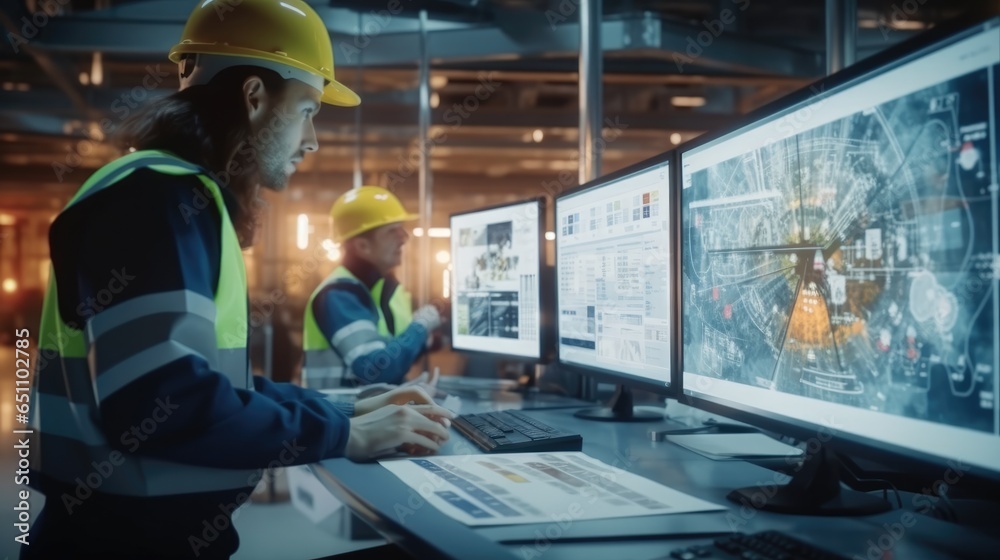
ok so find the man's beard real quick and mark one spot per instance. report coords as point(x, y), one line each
point(251, 214)
point(271, 173)
point(245, 187)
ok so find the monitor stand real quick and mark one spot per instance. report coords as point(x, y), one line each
point(814, 489)
point(619, 409)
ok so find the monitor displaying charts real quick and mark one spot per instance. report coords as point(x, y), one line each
point(496, 256)
point(613, 276)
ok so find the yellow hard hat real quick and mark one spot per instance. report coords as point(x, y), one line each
point(287, 36)
point(364, 209)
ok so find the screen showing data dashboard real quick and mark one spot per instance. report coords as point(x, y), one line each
point(613, 268)
point(840, 260)
point(496, 258)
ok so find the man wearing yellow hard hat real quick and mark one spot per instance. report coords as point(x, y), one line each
point(149, 429)
point(360, 327)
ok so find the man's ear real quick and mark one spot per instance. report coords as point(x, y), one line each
point(255, 99)
point(361, 245)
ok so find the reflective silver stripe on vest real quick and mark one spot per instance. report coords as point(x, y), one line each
point(362, 329)
point(365, 348)
point(115, 378)
point(148, 332)
point(326, 378)
point(362, 338)
point(128, 339)
point(323, 369)
point(178, 301)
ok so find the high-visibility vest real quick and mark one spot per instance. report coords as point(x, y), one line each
point(323, 367)
point(70, 380)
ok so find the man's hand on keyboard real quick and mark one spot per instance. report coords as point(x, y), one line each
point(404, 394)
point(389, 422)
point(426, 381)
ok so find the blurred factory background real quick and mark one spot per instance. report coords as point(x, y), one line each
point(502, 106)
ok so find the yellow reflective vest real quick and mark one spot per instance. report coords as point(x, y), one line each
point(324, 367)
point(69, 445)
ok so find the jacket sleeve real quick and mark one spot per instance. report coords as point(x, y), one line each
point(347, 317)
point(282, 392)
point(142, 258)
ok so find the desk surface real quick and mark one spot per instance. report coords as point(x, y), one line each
point(400, 514)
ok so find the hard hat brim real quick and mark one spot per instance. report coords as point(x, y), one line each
point(337, 94)
point(369, 227)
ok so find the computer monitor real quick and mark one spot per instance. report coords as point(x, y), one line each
point(613, 278)
point(840, 265)
point(497, 258)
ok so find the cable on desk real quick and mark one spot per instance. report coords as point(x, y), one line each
point(940, 489)
point(856, 482)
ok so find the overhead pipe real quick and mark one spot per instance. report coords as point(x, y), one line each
point(591, 110)
point(841, 34)
point(591, 69)
point(425, 193)
point(358, 136)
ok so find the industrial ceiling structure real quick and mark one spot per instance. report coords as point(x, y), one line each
point(503, 80)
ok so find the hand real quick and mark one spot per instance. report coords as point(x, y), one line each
point(404, 394)
point(428, 316)
point(426, 381)
point(443, 306)
point(414, 429)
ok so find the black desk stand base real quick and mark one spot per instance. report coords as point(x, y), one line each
point(619, 410)
point(814, 490)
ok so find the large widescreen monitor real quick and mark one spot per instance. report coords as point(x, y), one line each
point(840, 259)
point(613, 278)
point(497, 257)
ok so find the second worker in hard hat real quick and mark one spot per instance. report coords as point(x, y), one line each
point(360, 327)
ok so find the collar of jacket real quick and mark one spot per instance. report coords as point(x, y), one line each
point(362, 270)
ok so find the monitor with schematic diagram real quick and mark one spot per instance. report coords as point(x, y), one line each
point(840, 259)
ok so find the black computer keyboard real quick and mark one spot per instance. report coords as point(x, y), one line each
point(507, 431)
point(765, 545)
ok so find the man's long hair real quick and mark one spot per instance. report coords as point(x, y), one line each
point(207, 125)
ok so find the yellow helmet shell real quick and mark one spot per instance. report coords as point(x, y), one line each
point(285, 33)
point(364, 209)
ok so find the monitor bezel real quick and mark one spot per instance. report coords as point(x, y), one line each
point(544, 285)
point(603, 374)
point(919, 464)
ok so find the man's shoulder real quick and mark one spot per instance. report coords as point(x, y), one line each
point(346, 287)
point(149, 189)
point(342, 295)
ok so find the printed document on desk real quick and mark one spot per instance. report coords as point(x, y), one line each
point(513, 488)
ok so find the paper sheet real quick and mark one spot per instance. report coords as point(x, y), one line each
point(512, 488)
point(735, 446)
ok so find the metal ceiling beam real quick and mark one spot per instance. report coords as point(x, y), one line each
point(19, 109)
point(644, 34)
point(507, 76)
point(46, 62)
